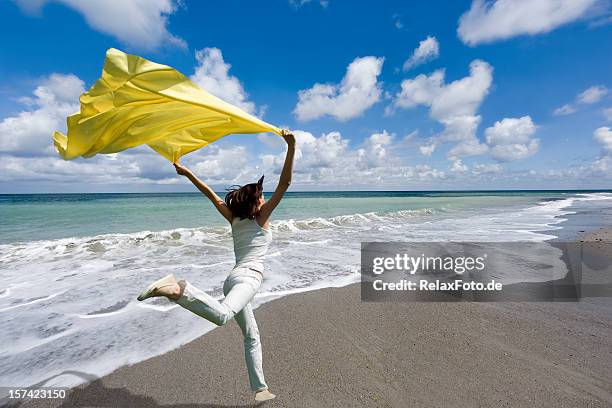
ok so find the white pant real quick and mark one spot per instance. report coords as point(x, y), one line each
point(239, 288)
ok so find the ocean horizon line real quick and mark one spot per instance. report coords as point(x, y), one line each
point(332, 191)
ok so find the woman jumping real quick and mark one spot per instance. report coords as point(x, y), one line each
point(249, 216)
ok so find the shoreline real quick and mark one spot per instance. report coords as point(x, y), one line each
point(328, 348)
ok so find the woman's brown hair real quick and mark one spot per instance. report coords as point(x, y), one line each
point(243, 201)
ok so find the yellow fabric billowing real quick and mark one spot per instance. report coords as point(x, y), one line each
point(137, 102)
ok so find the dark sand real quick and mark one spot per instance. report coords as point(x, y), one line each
point(329, 349)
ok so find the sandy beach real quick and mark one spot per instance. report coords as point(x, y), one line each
point(327, 348)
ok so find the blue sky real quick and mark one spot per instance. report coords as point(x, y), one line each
point(410, 96)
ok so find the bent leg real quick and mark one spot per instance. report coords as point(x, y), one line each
point(206, 306)
point(252, 347)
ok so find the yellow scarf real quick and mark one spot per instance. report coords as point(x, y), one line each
point(137, 102)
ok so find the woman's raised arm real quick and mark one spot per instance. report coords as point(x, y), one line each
point(283, 183)
point(206, 190)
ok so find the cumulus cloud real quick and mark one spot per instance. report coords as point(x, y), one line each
point(589, 96)
point(140, 24)
point(488, 21)
point(139, 165)
point(329, 160)
point(212, 74)
point(29, 133)
point(321, 152)
point(602, 165)
point(52, 169)
point(454, 105)
point(223, 165)
point(458, 167)
point(319, 159)
point(458, 98)
point(375, 150)
point(358, 91)
point(511, 139)
point(427, 149)
point(467, 148)
point(322, 159)
point(428, 50)
point(26, 143)
point(424, 171)
point(603, 135)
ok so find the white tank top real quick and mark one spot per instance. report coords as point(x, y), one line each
point(251, 243)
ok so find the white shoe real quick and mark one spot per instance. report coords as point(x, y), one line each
point(264, 395)
point(150, 290)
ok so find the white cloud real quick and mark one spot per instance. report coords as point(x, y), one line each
point(427, 149)
point(223, 165)
point(454, 105)
point(212, 74)
point(55, 170)
point(139, 165)
point(357, 92)
point(458, 167)
point(428, 50)
point(592, 94)
point(319, 152)
point(511, 139)
point(589, 96)
point(271, 140)
point(602, 165)
point(488, 21)
point(313, 156)
point(478, 169)
point(603, 135)
point(328, 160)
point(137, 23)
point(424, 171)
point(30, 132)
point(375, 150)
point(467, 148)
point(458, 98)
point(566, 109)
point(422, 90)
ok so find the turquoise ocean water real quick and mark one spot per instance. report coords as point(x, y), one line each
point(71, 265)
